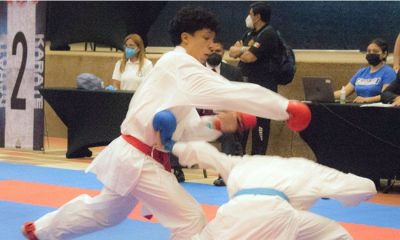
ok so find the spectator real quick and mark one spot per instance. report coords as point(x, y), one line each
point(396, 54)
point(369, 82)
point(133, 67)
point(392, 93)
point(216, 63)
point(230, 142)
point(256, 51)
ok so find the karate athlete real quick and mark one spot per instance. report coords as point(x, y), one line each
point(133, 168)
point(270, 195)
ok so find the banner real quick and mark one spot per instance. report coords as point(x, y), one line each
point(22, 47)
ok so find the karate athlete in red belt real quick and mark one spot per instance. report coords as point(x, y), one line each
point(132, 168)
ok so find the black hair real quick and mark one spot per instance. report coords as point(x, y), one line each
point(382, 44)
point(190, 19)
point(263, 9)
point(217, 40)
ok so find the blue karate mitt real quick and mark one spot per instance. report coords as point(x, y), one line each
point(165, 123)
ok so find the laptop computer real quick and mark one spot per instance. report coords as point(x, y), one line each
point(318, 89)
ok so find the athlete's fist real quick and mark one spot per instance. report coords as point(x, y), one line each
point(233, 121)
point(299, 115)
point(165, 123)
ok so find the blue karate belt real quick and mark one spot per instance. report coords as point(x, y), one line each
point(261, 191)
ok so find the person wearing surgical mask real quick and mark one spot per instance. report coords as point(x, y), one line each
point(369, 82)
point(256, 51)
point(230, 142)
point(216, 63)
point(132, 68)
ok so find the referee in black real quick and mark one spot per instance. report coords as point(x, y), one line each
point(255, 51)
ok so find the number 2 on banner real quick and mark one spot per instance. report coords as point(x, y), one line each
point(19, 103)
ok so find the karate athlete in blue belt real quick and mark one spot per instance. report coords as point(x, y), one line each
point(270, 195)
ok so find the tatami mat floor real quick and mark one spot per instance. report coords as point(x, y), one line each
point(54, 156)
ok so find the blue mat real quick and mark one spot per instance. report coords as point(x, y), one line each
point(13, 214)
point(72, 178)
point(365, 213)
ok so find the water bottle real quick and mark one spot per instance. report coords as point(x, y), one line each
point(342, 95)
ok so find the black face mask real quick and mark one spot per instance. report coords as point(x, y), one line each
point(373, 59)
point(214, 59)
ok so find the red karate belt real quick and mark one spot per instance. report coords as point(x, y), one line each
point(161, 157)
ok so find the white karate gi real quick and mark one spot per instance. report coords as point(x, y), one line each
point(270, 216)
point(180, 83)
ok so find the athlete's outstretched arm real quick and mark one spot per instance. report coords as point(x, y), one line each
point(206, 155)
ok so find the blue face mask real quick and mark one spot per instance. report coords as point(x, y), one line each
point(130, 52)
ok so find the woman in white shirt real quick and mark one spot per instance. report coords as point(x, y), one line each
point(132, 68)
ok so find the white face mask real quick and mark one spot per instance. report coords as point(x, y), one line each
point(249, 22)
